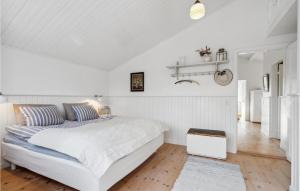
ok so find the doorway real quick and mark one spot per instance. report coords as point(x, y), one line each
point(259, 88)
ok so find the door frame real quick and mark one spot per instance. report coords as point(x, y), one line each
point(244, 112)
point(294, 164)
point(235, 68)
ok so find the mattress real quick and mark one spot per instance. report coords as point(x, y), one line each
point(18, 135)
point(81, 179)
point(12, 139)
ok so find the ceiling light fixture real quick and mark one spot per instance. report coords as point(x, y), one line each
point(197, 10)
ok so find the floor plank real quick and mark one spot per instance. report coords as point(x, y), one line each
point(252, 140)
point(160, 171)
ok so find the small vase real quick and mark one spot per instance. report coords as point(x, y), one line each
point(207, 58)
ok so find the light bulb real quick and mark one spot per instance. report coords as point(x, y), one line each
point(197, 10)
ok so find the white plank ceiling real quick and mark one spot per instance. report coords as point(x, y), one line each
point(98, 33)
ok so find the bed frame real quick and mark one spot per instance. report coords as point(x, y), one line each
point(73, 173)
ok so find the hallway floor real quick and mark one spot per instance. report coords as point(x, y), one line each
point(252, 140)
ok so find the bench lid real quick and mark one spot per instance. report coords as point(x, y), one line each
point(207, 132)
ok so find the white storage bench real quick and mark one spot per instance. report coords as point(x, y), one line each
point(207, 143)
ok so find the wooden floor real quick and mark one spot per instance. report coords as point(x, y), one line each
point(252, 140)
point(160, 171)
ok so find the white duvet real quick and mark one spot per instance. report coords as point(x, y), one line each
point(98, 145)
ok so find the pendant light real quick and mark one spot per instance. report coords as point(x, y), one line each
point(197, 11)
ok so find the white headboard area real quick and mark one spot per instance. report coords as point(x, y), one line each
point(7, 116)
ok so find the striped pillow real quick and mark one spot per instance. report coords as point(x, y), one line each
point(84, 112)
point(41, 116)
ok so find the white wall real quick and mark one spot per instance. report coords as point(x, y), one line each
point(295, 183)
point(181, 113)
point(289, 122)
point(272, 57)
point(0, 46)
point(270, 123)
point(290, 89)
point(25, 73)
point(252, 72)
point(233, 27)
point(33, 74)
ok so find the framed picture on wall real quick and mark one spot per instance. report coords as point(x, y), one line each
point(137, 82)
point(266, 82)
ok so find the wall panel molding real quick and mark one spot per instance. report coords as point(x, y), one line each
point(178, 112)
point(42, 99)
point(294, 114)
point(183, 112)
point(284, 127)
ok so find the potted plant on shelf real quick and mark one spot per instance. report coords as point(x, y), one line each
point(205, 54)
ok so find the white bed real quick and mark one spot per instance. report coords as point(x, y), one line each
point(73, 173)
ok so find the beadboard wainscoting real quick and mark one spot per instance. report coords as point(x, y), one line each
point(4, 108)
point(289, 134)
point(288, 123)
point(285, 130)
point(181, 113)
point(55, 100)
point(293, 124)
point(269, 122)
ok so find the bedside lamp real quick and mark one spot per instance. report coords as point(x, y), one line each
point(100, 100)
point(104, 110)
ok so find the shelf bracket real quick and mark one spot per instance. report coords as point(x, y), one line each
point(177, 70)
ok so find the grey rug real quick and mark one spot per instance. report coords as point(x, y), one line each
point(200, 174)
